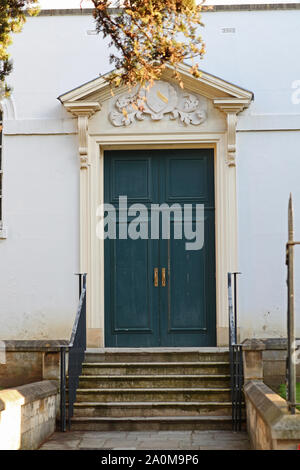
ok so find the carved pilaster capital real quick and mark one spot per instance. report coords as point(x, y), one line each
point(231, 107)
point(83, 140)
point(231, 138)
point(83, 110)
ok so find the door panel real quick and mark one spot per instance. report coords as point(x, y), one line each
point(131, 177)
point(131, 308)
point(185, 179)
point(181, 313)
point(187, 314)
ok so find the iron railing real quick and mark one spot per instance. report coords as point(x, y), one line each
point(236, 356)
point(291, 361)
point(76, 351)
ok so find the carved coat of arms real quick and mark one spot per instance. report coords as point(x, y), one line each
point(159, 101)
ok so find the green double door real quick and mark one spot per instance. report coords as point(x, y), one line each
point(158, 292)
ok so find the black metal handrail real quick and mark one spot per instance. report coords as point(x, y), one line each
point(236, 357)
point(76, 351)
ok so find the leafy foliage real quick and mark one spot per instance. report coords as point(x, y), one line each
point(282, 392)
point(12, 19)
point(149, 34)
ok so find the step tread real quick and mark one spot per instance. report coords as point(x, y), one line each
point(154, 364)
point(202, 350)
point(151, 403)
point(153, 418)
point(141, 377)
point(208, 389)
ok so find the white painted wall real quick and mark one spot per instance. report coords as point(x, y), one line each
point(38, 290)
point(268, 169)
point(52, 55)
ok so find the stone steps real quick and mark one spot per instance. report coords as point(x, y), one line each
point(152, 381)
point(152, 394)
point(158, 368)
point(170, 423)
point(153, 389)
point(150, 355)
point(155, 409)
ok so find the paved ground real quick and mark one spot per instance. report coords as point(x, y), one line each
point(156, 440)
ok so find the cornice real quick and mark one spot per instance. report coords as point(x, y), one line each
point(208, 85)
point(82, 108)
point(205, 9)
point(230, 105)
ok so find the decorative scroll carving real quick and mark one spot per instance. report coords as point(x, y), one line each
point(231, 138)
point(83, 110)
point(231, 107)
point(159, 101)
point(83, 140)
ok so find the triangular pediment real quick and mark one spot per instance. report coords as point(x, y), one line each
point(209, 86)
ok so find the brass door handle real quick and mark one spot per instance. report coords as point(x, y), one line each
point(155, 277)
point(163, 277)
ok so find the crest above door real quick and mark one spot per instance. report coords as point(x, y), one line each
point(207, 104)
point(165, 99)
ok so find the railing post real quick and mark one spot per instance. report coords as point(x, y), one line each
point(235, 296)
point(291, 385)
point(232, 338)
point(63, 389)
point(235, 354)
point(80, 282)
point(231, 341)
point(76, 348)
point(84, 311)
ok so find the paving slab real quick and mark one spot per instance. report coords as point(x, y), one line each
point(155, 440)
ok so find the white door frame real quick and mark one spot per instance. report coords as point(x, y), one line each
point(96, 135)
point(92, 195)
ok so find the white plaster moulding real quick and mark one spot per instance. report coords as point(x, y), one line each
point(40, 127)
point(246, 123)
point(83, 110)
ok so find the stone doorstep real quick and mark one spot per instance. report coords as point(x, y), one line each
point(205, 350)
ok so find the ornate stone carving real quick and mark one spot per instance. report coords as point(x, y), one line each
point(159, 101)
point(231, 138)
point(231, 107)
point(83, 110)
point(83, 140)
